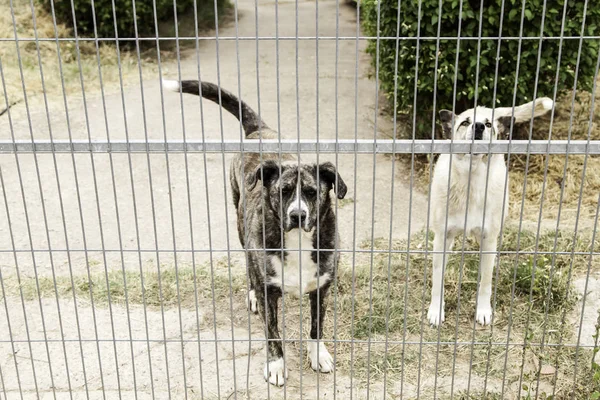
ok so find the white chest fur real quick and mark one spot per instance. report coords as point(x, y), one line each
point(484, 194)
point(298, 274)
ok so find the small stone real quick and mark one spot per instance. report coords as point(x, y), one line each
point(547, 370)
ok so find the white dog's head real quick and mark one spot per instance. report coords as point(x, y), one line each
point(483, 123)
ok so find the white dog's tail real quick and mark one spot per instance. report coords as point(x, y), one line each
point(523, 112)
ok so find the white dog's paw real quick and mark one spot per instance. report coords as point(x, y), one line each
point(484, 314)
point(251, 302)
point(435, 315)
point(276, 372)
point(320, 359)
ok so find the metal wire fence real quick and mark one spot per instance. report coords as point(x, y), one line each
point(122, 275)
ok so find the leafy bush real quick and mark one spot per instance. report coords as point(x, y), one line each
point(144, 12)
point(468, 59)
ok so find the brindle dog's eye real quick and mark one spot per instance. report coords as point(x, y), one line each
point(465, 123)
point(287, 190)
point(309, 192)
point(488, 125)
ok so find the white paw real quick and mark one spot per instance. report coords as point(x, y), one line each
point(484, 314)
point(435, 315)
point(275, 372)
point(251, 302)
point(320, 359)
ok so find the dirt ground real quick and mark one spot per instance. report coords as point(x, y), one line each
point(156, 352)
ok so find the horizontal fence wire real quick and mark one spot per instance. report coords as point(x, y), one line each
point(297, 339)
point(327, 146)
point(341, 250)
point(294, 38)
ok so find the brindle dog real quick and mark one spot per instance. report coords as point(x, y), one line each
point(282, 207)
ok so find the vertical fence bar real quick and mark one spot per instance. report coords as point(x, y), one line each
point(523, 199)
point(336, 257)
point(208, 219)
point(298, 155)
point(262, 203)
point(318, 292)
point(540, 215)
point(225, 196)
point(354, 203)
point(375, 112)
point(178, 58)
point(427, 225)
point(4, 298)
point(189, 198)
point(537, 236)
point(243, 193)
point(281, 227)
point(392, 186)
point(129, 158)
point(502, 222)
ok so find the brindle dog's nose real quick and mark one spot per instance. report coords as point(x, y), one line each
point(297, 218)
point(478, 129)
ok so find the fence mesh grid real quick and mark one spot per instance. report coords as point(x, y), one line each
point(121, 271)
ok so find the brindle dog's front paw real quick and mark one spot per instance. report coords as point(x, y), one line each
point(251, 302)
point(320, 359)
point(276, 372)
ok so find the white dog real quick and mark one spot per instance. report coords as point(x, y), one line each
point(473, 124)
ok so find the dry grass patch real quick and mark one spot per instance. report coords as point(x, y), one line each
point(378, 306)
point(138, 288)
point(574, 122)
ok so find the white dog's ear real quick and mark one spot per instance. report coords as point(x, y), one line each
point(447, 119)
point(506, 123)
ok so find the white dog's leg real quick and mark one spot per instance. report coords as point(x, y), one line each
point(484, 307)
point(435, 315)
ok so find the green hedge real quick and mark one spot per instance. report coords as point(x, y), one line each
point(467, 64)
point(144, 10)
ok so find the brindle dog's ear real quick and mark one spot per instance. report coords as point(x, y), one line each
point(328, 173)
point(268, 171)
point(505, 123)
point(447, 118)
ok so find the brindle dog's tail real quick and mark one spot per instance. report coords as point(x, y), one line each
point(250, 119)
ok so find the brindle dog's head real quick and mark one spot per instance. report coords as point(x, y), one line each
point(297, 193)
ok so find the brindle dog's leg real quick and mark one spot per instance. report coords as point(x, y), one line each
point(320, 359)
point(275, 370)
